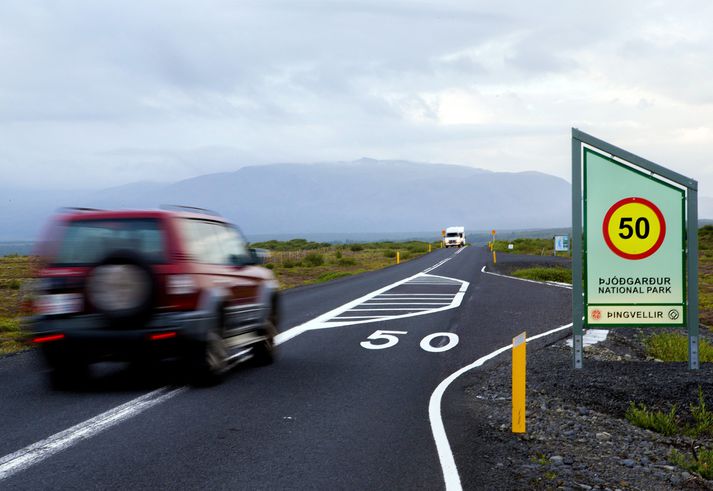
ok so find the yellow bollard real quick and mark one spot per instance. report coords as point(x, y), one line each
point(494, 258)
point(519, 363)
point(429, 247)
point(398, 257)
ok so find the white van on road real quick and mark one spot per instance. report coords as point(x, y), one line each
point(455, 237)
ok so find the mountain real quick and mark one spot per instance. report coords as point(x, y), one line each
point(345, 197)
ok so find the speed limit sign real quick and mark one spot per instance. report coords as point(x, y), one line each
point(634, 228)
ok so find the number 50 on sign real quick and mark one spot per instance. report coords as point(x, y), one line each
point(634, 228)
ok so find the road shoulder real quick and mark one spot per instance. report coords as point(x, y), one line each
point(577, 436)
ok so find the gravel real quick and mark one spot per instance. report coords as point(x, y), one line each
point(577, 436)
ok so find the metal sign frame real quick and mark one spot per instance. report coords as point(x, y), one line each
point(579, 139)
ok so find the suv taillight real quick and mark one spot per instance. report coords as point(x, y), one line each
point(180, 284)
point(181, 292)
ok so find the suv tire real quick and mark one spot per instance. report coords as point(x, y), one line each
point(264, 351)
point(208, 360)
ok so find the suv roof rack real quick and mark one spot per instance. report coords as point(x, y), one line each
point(205, 211)
point(69, 209)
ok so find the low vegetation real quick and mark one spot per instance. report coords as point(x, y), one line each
point(672, 346)
point(698, 429)
point(662, 422)
point(705, 274)
point(320, 262)
point(15, 271)
point(533, 247)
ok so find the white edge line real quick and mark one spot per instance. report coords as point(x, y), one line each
point(548, 283)
point(32, 454)
point(445, 455)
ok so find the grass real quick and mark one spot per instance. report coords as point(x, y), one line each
point(669, 424)
point(669, 346)
point(317, 265)
point(700, 462)
point(533, 247)
point(332, 275)
point(15, 271)
point(705, 274)
point(562, 275)
point(658, 421)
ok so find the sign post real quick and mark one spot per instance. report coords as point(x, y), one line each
point(634, 243)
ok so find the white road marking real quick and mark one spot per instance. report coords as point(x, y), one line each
point(445, 455)
point(334, 318)
point(591, 336)
point(452, 341)
point(387, 310)
point(548, 283)
point(33, 454)
point(418, 294)
point(37, 452)
point(372, 303)
point(428, 270)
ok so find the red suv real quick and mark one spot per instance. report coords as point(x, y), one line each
point(138, 285)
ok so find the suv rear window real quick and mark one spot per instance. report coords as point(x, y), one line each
point(89, 241)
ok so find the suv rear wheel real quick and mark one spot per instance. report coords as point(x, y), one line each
point(264, 351)
point(209, 358)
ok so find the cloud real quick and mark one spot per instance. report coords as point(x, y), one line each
point(102, 93)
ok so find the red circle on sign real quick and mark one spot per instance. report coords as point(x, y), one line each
point(614, 208)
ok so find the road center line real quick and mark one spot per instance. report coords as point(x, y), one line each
point(37, 452)
point(445, 454)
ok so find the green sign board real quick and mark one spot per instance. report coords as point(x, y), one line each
point(634, 246)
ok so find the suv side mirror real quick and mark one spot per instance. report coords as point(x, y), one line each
point(260, 256)
point(238, 260)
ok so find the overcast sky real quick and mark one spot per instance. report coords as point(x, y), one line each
point(95, 94)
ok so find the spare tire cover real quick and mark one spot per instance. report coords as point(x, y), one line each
point(122, 286)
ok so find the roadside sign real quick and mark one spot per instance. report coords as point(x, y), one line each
point(443, 232)
point(561, 243)
point(511, 246)
point(636, 263)
point(492, 232)
point(634, 246)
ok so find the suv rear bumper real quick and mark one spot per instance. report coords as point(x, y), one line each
point(91, 338)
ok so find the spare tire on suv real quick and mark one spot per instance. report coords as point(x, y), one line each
point(122, 288)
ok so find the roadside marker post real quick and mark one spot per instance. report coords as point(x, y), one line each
point(429, 247)
point(634, 244)
point(398, 257)
point(494, 258)
point(519, 370)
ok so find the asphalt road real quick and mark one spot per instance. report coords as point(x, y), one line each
point(329, 414)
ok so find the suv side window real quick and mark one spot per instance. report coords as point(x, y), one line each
point(212, 242)
point(203, 241)
point(233, 245)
